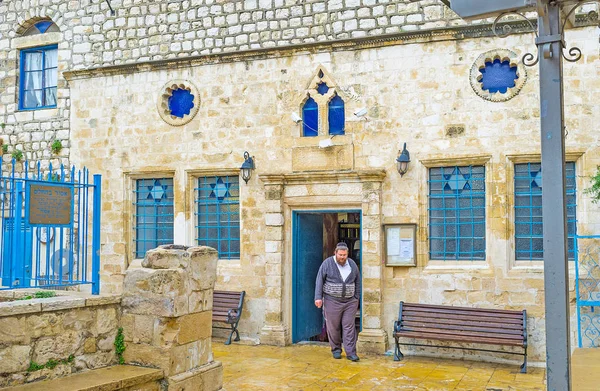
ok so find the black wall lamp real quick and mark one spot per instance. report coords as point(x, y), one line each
point(247, 167)
point(402, 161)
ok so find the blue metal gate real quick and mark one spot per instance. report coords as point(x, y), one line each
point(47, 236)
point(587, 288)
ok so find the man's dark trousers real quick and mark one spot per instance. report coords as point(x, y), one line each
point(339, 318)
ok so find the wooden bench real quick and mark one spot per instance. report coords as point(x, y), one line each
point(227, 308)
point(461, 324)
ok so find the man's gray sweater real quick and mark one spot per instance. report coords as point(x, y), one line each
point(331, 285)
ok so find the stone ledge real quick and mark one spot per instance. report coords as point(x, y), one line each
point(64, 301)
point(103, 379)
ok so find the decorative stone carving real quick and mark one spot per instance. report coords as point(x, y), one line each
point(165, 103)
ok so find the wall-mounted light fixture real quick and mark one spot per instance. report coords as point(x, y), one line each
point(402, 161)
point(361, 112)
point(295, 117)
point(247, 167)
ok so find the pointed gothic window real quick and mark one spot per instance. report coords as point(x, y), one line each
point(310, 118)
point(337, 118)
point(323, 112)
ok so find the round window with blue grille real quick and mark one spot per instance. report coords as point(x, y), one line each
point(179, 102)
point(498, 75)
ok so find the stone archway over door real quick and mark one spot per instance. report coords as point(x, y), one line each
point(322, 190)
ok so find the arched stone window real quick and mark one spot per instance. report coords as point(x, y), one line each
point(38, 70)
point(42, 27)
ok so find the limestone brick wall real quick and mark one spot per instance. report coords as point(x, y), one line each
point(40, 331)
point(413, 93)
point(90, 36)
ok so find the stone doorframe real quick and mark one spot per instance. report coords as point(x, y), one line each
point(338, 190)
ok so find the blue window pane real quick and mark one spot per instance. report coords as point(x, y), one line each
point(498, 76)
point(43, 26)
point(38, 78)
point(310, 118)
point(218, 214)
point(337, 117)
point(153, 220)
point(528, 185)
point(181, 102)
point(322, 88)
point(457, 213)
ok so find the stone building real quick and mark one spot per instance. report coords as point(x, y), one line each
point(164, 98)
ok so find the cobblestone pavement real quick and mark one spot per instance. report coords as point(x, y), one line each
point(310, 367)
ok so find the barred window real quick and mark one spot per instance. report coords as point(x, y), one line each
point(153, 219)
point(528, 211)
point(218, 214)
point(457, 213)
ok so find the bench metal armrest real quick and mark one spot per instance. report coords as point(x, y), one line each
point(397, 325)
point(232, 316)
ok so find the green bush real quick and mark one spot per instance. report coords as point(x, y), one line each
point(17, 155)
point(39, 295)
point(594, 190)
point(56, 146)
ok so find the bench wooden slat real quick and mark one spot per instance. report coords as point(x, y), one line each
point(484, 314)
point(493, 310)
point(466, 335)
point(462, 317)
point(512, 326)
point(448, 337)
point(423, 324)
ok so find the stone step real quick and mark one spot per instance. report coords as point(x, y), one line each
point(118, 377)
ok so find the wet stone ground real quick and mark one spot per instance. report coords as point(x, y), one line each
point(310, 367)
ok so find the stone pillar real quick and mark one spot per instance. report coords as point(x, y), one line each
point(372, 338)
point(167, 316)
point(274, 332)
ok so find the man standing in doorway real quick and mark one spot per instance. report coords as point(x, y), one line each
point(338, 291)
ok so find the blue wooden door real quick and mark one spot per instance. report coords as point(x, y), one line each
point(16, 263)
point(307, 320)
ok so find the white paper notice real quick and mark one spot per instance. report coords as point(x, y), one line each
point(406, 248)
point(393, 244)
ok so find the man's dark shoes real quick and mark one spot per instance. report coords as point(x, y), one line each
point(353, 358)
point(337, 354)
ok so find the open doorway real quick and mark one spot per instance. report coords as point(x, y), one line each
point(315, 235)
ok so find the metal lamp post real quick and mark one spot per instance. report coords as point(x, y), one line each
point(551, 44)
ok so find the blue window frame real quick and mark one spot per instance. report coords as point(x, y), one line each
point(337, 117)
point(457, 213)
point(310, 118)
point(528, 211)
point(153, 219)
point(38, 78)
point(218, 214)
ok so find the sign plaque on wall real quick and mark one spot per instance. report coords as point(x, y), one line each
point(49, 204)
point(400, 245)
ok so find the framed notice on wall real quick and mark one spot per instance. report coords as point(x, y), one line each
point(400, 245)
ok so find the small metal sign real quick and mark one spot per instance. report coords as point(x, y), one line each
point(49, 204)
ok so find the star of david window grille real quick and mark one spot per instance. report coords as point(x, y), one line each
point(218, 214)
point(457, 213)
point(528, 183)
point(153, 216)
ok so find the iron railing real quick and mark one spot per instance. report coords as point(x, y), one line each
point(587, 288)
point(48, 237)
